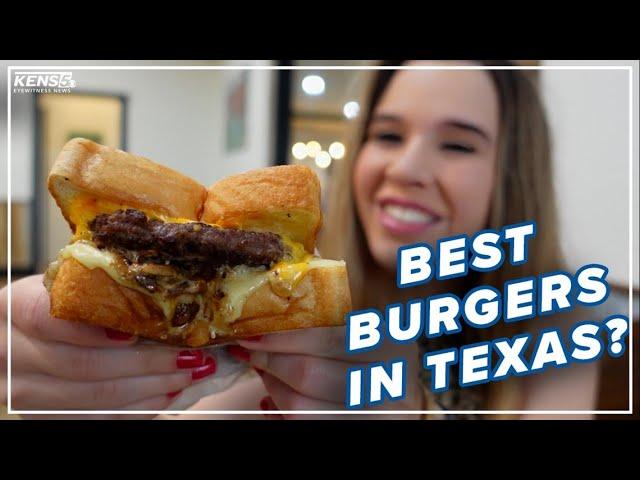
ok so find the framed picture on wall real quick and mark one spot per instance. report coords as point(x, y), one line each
point(48, 121)
point(17, 214)
point(22, 251)
point(236, 120)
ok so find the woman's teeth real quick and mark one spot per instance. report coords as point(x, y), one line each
point(406, 214)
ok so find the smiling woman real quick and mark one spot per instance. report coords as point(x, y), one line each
point(427, 164)
point(447, 153)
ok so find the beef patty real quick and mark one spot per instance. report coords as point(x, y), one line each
point(197, 249)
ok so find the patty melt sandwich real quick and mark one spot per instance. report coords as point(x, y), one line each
point(158, 255)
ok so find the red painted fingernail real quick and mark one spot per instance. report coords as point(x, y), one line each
point(256, 338)
point(239, 353)
point(265, 403)
point(174, 394)
point(209, 368)
point(190, 359)
point(116, 335)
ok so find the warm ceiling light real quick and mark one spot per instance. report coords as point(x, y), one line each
point(336, 150)
point(299, 151)
point(323, 159)
point(351, 109)
point(313, 85)
point(313, 148)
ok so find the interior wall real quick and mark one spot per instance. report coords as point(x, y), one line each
point(589, 115)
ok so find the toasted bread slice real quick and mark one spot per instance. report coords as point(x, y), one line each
point(283, 200)
point(86, 169)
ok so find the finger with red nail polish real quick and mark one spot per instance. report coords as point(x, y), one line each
point(116, 335)
point(267, 404)
point(239, 353)
point(190, 359)
point(209, 368)
point(174, 394)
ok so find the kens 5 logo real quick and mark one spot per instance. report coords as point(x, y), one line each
point(34, 81)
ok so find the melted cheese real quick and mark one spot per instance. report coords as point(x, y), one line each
point(87, 255)
point(237, 287)
point(283, 278)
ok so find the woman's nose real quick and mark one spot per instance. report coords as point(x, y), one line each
point(414, 165)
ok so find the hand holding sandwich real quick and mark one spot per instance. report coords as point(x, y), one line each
point(307, 370)
point(156, 255)
point(61, 365)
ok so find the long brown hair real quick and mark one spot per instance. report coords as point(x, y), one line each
point(523, 191)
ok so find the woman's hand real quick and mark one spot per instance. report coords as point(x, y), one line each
point(307, 370)
point(62, 365)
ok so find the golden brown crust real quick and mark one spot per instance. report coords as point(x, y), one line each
point(90, 296)
point(117, 176)
point(283, 200)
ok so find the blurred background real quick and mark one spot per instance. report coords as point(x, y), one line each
point(209, 124)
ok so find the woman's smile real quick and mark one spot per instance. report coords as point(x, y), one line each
point(401, 217)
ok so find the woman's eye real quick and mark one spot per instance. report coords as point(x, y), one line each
point(388, 137)
point(458, 147)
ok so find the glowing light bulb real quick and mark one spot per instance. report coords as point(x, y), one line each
point(313, 148)
point(299, 151)
point(336, 150)
point(351, 109)
point(313, 85)
point(323, 159)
